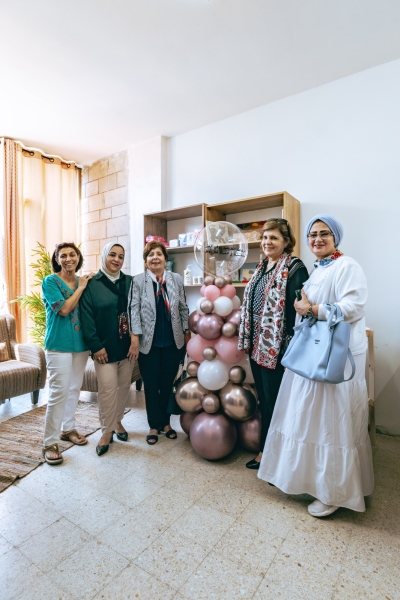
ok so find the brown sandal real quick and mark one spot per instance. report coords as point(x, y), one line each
point(73, 436)
point(52, 448)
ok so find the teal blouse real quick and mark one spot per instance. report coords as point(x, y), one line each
point(63, 334)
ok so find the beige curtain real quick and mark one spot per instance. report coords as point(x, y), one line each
point(40, 204)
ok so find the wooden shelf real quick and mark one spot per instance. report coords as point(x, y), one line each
point(156, 223)
point(180, 250)
point(185, 212)
point(291, 211)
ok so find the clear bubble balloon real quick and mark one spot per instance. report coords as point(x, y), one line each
point(220, 249)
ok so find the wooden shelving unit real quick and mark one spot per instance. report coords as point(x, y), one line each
point(162, 222)
point(290, 211)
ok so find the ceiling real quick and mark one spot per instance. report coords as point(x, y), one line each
point(84, 79)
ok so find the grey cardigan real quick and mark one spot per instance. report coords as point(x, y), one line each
point(142, 309)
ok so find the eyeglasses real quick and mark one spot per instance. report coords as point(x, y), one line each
point(320, 234)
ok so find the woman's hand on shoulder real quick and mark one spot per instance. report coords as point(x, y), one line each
point(83, 280)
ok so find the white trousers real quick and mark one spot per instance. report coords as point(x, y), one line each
point(66, 375)
point(114, 380)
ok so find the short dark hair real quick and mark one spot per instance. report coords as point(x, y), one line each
point(152, 246)
point(55, 266)
point(284, 229)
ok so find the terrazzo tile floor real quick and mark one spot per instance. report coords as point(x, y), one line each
point(161, 523)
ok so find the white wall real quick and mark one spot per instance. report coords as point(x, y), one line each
point(336, 148)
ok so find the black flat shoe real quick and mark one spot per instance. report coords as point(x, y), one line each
point(122, 437)
point(170, 434)
point(152, 439)
point(253, 464)
point(103, 449)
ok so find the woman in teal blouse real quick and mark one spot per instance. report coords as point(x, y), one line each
point(66, 351)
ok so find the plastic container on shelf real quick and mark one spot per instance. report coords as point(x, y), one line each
point(187, 276)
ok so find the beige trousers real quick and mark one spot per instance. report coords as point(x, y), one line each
point(114, 381)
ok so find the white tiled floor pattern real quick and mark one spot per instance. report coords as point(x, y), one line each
point(160, 522)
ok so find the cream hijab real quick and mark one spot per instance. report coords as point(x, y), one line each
point(103, 268)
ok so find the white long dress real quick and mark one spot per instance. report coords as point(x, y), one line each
point(318, 440)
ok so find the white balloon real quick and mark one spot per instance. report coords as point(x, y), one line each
point(236, 302)
point(213, 374)
point(223, 306)
point(199, 301)
point(245, 363)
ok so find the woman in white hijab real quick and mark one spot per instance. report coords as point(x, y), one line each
point(106, 333)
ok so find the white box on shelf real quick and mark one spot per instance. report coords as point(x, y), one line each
point(173, 243)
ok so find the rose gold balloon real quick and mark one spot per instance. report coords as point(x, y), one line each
point(189, 394)
point(209, 353)
point(209, 326)
point(229, 330)
point(249, 433)
point(228, 279)
point(238, 402)
point(207, 306)
point(193, 318)
point(220, 282)
point(192, 368)
point(186, 419)
point(211, 403)
point(234, 317)
point(208, 280)
point(213, 436)
point(237, 374)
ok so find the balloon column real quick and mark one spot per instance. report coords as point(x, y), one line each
point(216, 395)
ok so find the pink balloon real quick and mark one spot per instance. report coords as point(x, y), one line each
point(186, 419)
point(227, 349)
point(196, 346)
point(213, 436)
point(229, 291)
point(193, 318)
point(203, 289)
point(249, 433)
point(210, 326)
point(212, 292)
point(234, 317)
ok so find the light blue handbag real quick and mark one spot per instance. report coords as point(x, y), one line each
point(319, 349)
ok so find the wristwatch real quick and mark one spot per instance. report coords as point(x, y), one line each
point(309, 313)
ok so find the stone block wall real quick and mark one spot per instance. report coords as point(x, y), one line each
point(104, 209)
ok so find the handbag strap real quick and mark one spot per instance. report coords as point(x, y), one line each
point(335, 315)
point(353, 365)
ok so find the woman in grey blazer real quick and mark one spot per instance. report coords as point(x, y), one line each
point(159, 323)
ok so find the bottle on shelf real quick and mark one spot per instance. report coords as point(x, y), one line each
point(187, 276)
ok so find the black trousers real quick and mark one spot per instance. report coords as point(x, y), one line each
point(158, 369)
point(268, 382)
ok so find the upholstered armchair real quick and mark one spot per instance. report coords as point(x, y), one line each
point(22, 366)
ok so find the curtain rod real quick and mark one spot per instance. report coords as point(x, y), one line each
point(31, 150)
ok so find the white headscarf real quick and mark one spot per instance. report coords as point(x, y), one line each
point(103, 268)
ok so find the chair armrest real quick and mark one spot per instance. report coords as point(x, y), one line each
point(33, 354)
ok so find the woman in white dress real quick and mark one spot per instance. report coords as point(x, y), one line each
point(318, 439)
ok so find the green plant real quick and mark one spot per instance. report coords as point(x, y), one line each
point(33, 302)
